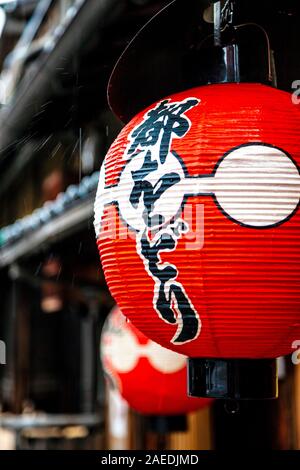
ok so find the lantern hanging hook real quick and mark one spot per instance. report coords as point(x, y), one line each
point(227, 13)
point(223, 18)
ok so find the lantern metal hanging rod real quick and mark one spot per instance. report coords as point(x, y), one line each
point(223, 19)
point(217, 24)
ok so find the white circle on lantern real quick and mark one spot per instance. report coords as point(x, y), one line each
point(167, 205)
point(257, 185)
point(120, 347)
point(123, 350)
point(163, 359)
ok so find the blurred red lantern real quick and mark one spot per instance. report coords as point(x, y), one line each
point(150, 378)
point(198, 229)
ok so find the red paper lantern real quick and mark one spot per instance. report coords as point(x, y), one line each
point(150, 378)
point(198, 225)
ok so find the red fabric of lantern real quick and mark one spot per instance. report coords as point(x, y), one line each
point(150, 378)
point(198, 225)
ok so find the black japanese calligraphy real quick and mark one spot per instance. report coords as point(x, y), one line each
point(170, 299)
point(150, 143)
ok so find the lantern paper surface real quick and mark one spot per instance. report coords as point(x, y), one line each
point(197, 221)
point(152, 379)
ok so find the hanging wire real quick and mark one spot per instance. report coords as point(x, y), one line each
point(270, 73)
point(227, 13)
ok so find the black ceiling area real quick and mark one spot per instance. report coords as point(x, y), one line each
point(175, 51)
point(65, 87)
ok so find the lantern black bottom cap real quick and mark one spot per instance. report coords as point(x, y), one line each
point(233, 379)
